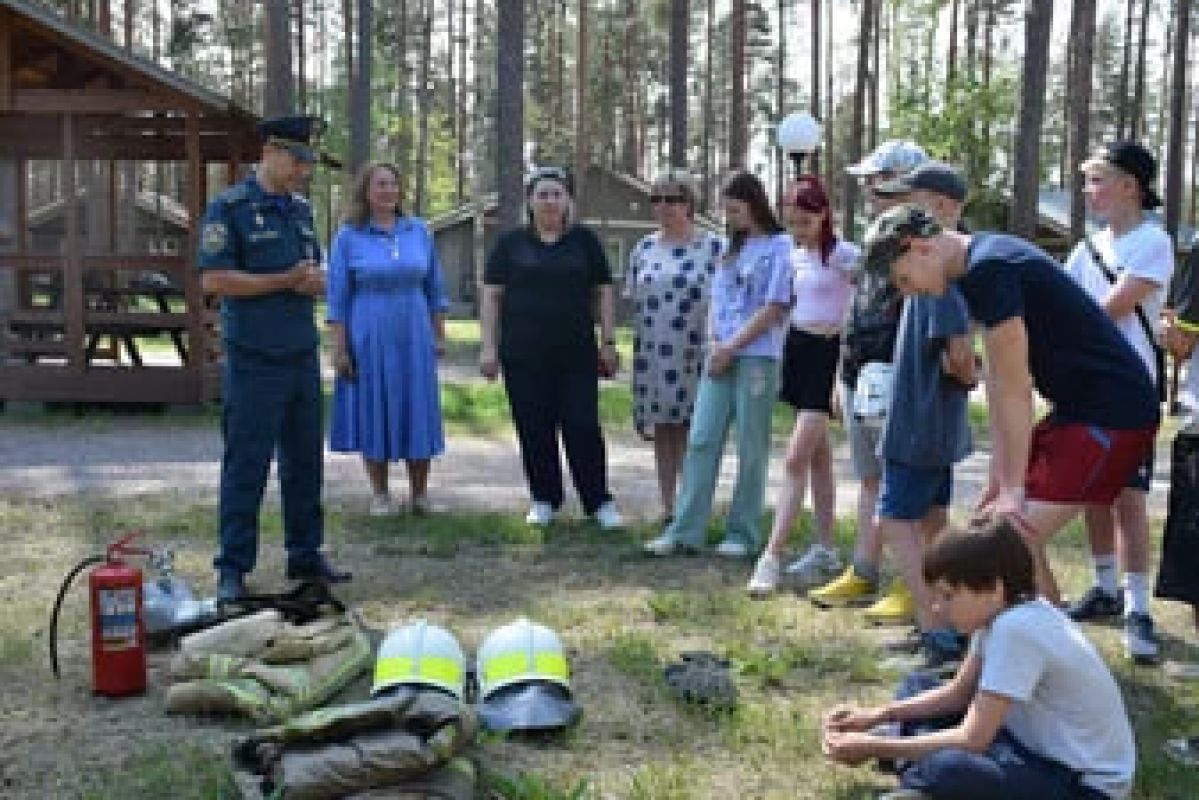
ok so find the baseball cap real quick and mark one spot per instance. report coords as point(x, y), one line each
point(894, 155)
point(932, 176)
point(1133, 159)
point(885, 238)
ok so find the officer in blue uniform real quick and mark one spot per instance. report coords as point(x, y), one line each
point(259, 254)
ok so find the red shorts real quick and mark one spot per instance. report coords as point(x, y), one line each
point(1084, 464)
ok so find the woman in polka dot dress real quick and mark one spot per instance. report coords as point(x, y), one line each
point(747, 320)
point(668, 280)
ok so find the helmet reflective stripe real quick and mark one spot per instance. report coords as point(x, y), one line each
point(521, 651)
point(524, 666)
point(436, 670)
point(421, 654)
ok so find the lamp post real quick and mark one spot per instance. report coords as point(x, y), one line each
point(798, 135)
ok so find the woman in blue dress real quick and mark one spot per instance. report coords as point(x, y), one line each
point(387, 318)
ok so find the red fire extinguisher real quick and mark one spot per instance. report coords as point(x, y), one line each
point(118, 631)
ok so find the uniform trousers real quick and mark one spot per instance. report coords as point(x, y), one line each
point(272, 405)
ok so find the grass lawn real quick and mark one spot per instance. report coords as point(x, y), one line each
point(622, 616)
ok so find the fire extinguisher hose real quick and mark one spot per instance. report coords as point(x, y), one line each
point(62, 592)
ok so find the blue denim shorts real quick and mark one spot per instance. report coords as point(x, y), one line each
point(909, 493)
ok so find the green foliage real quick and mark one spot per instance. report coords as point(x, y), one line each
point(527, 786)
point(164, 770)
point(960, 130)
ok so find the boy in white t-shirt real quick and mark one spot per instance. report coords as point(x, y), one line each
point(1126, 265)
point(1033, 713)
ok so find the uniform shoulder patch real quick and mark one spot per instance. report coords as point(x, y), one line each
point(214, 237)
point(236, 193)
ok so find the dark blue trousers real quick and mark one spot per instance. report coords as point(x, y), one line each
point(1006, 770)
point(272, 405)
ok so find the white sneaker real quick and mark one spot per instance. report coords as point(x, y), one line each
point(540, 514)
point(608, 516)
point(663, 546)
point(731, 548)
point(817, 564)
point(383, 505)
point(766, 576)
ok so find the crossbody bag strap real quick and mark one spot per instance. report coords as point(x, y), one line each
point(1111, 278)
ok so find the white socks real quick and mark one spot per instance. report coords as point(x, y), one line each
point(1136, 593)
point(1106, 574)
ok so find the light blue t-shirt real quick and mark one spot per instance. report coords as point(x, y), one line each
point(762, 273)
point(927, 424)
point(1065, 704)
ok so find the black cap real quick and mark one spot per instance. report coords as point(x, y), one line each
point(1133, 159)
point(294, 134)
point(933, 176)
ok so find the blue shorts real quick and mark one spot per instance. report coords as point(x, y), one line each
point(909, 493)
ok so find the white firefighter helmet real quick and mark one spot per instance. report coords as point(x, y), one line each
point(524, 679)
point(420, 654)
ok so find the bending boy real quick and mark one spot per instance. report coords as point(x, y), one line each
point(1042, 332)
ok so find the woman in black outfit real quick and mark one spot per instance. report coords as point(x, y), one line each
point(537, 327)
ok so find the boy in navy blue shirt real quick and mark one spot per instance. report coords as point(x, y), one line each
point(1041, 332)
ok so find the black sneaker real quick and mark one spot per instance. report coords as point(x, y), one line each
point(1096, 604)
point(1140, 640)
point(317, 569)
point(230, 586)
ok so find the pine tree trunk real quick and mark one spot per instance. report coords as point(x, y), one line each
point(875, 76)
point(1136, 128)
point(1122, 109)
point(1176, 145)
point(814, 159)
point(424, 98)
point(971, 20)
point(951, 58)
point(709, 108)
point(679, 28)
point(582, 148)
point(278, 96)
point(301, 58)
point(510, 81)
point(737, 132)
point(850, 200)
point(1038, 19)
point(830, 140)
point(780, 72)
point(360, 118)
point(1078, 104)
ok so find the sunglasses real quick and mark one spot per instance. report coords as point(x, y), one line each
point(654, 199)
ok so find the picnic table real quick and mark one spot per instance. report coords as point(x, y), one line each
point(111, 310)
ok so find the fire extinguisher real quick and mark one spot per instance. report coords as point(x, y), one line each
point(118, 630)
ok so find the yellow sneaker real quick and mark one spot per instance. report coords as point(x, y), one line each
point(846, 590)
point(893, 608)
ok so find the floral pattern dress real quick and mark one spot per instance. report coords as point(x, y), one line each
point(669, 284)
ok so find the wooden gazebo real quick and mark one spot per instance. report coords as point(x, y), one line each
point(99, 317)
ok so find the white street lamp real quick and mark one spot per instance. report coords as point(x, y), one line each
point(798, 135)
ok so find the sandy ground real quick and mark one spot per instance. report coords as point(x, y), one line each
point(126, 456)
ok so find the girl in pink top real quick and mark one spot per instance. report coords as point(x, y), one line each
point(823, 285)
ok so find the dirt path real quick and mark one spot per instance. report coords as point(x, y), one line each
point(129, 456)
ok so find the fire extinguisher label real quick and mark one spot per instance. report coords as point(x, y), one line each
point(118, 619)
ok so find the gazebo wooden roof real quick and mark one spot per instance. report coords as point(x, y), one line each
point(68, 94)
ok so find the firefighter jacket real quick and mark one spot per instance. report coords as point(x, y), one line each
point(265, 668)
point(407, 743)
